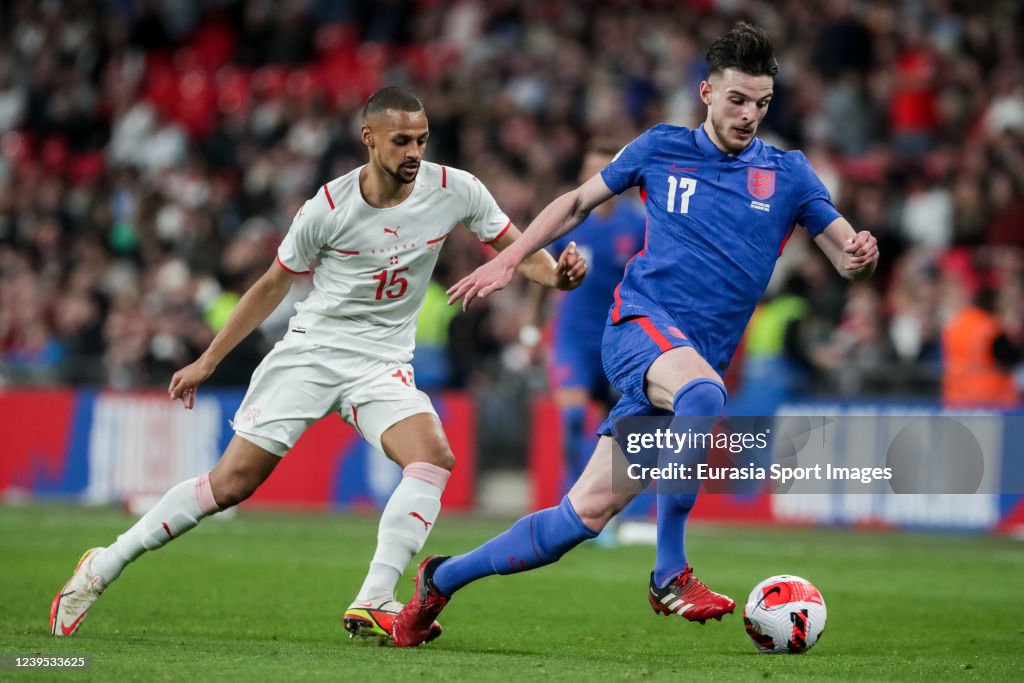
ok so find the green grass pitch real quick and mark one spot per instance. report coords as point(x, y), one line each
point(260, 597)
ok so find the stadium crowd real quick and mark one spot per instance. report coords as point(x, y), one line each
point(153, 153)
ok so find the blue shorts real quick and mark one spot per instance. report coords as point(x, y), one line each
point(578, 366)
point(627, 351)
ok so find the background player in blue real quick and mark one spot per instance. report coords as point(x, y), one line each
point(720, 206)
point(608, 238)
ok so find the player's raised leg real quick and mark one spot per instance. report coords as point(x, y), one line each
point(536, 540)
point(242, 468)
point(681, 381)
point(419, 445)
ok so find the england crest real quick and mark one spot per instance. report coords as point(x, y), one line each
point(760, 183)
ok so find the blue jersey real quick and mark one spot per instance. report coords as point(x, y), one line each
point(716, 224)
point(607, 243)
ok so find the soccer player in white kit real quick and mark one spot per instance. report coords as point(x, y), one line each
point(374, 234)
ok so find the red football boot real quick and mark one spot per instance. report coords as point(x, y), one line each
point(687, 596)
point(413, 624)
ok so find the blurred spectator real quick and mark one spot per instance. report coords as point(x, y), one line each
point(774, 364)
point(914, 324)
point(1006, 111)
point(979, 356)
point(927, 218)
point(855, 357)
point(1006, 204)
point(913, 111)
point(431, 362)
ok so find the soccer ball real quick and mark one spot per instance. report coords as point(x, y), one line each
point(784, 614)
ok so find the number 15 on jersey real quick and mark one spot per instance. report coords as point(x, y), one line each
point(396, 285)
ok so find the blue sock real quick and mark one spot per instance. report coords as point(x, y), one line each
point(670, 558)
point(700, 398)
point(533, 541)
point(573, 418)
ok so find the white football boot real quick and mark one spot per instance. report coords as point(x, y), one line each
point(73, 601)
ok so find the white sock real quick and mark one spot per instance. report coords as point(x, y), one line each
point(404, 526)
point(179, 510)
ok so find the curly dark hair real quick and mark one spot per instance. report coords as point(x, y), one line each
point(746, 48)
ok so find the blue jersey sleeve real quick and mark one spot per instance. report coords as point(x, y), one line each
point(815, 210)
point(626, 170)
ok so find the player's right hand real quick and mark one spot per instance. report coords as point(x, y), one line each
point(861, 251)
point(490, 277)
point(185, 382)
point(570, 269)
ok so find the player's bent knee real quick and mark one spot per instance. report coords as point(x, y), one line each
point(702, 396)
point(231, 485)
point(437, 452)
point(418, 438)
point(225, 496)
point(438, 457)
point(594, 509)
point(240, 471)
point(441, 457)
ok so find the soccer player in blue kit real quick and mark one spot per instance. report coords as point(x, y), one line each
point(720, 205)
point(608, 238)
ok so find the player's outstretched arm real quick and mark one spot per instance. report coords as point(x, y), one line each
point(853, 254)
point(557, 218)
point(566, 273)
point(252, 309)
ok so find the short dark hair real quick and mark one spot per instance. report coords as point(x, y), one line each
point(746, 48)
point(391, 97)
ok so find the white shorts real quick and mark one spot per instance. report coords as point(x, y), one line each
point(298, 383)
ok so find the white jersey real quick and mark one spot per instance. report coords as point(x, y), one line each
point(373, 265)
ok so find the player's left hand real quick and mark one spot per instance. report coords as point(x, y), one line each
point(861, 252)
point(186, 381)
point(570, 269)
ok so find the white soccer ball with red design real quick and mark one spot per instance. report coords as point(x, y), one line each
point(784, 614)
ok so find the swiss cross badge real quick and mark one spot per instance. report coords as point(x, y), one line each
point(393, 260)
